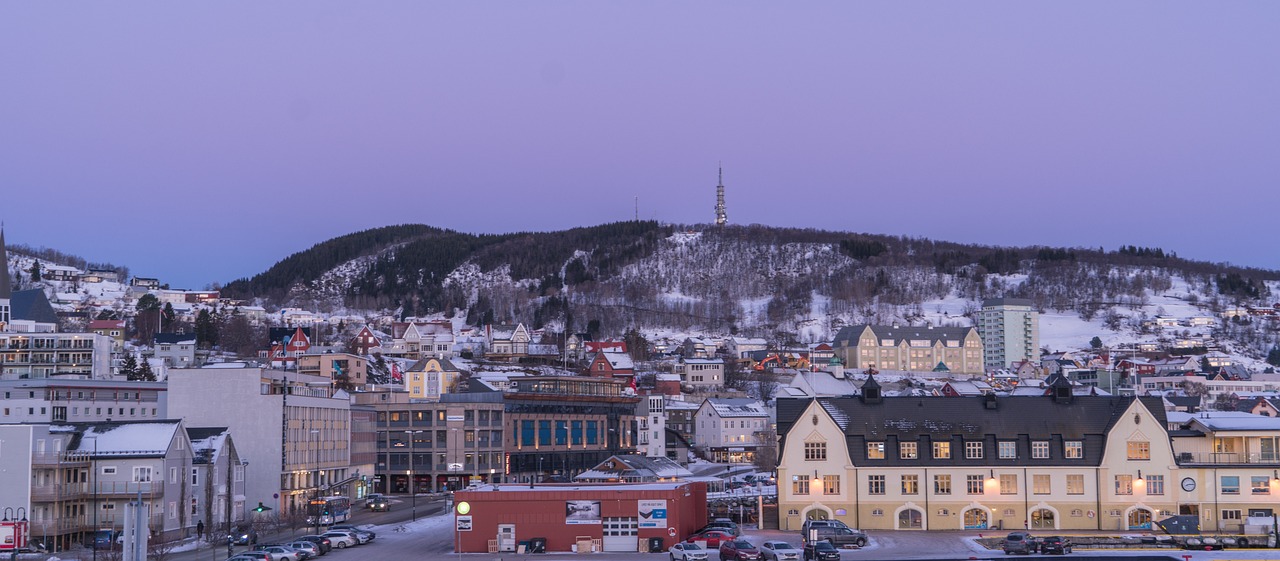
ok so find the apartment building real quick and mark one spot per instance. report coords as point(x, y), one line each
point(58, 400)
point(730, 430)
point(1010, 331)
point(563, 425)
point(920, 349)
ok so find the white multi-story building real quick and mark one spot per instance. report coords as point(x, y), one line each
point(1010, 331)
point(730, 430)
point(701, 372)
point(653, 426)
point(292, 428)
point(81, 401)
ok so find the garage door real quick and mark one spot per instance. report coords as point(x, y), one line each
point(620, 534)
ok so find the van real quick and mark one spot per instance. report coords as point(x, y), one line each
point(839, 537)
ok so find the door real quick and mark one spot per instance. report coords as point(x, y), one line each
point(975, 519)
point(1042, 519)
point(621, 534)
point(910, 519)
point(507, 537)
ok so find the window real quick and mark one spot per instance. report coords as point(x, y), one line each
point(1040, 449)
point(800, 485)
point(1124, 484)
point(1075, 484)
point(942, 484)
point(593, 431)
point(108, 470)
point(815, 451)
point(910, 485)
point(875, 450)
point(1073, 449)
point(1233, 514)
point(973, 450)
point(908, 451)
point(1040, 484)
point(1155, 484)
point(831, 484)
point(875, 484)
point(1139, 450)
point(941, 450)
point(195, 477)
point(141, 474)
point(1230, 485)
point(1008, 450)
point(526, 433)
point(544, 432)
point(575, 433)
point(1259, 485)
point(1008, 484)
point(974, 484)
point(562, 433)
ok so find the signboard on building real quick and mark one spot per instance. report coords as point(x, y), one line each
point(453, 418)
point(464, 523)
point(582, 512)
point(653, 513)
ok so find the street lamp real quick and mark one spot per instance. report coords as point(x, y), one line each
point(315, 483)
point(413, 491)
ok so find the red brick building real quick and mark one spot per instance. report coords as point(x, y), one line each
point(612, 516)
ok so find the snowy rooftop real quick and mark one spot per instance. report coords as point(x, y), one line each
point(1218, 421)
point(737, 407)
point(147, 438)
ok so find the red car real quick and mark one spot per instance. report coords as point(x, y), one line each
point(738, 550)
point(713, 538)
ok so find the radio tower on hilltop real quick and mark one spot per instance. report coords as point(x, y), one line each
point(721, 216)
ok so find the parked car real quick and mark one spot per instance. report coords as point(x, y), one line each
point(686, 551)
point(821, 551)
point(311, 549)
point(357, 531)
point(738, 549)
point(255, 555)
point(377, 502)
point(102, 539)
point(341, 539)
point(726, 523)
point(282, 553)
point(726, 528)
point(713, 538)
point(1054, 544)
point(804, 528)
point(839, 537)
point(1020, 543)
point(322, 542)
point(779, 551)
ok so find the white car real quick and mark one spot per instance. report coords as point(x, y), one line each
point(684, 551)
point(780, 551)
point(281, 553)
point(341, 539)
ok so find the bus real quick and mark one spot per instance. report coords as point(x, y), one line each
point(327, 511)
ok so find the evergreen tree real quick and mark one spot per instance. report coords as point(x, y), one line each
point(35, 271)
point(1204, 364)
point(1096, 342)
point(169, 315)
point(129, 367)
point(206, 330)
point(148, 302)
point(1273, 357)
point(144, 372)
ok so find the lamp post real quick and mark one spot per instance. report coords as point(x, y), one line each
point(413, 490)
point(315, 484)
point(96, 506)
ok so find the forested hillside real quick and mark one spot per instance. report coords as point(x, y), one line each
point(777, 282)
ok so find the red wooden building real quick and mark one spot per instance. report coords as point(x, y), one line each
point(610, 517)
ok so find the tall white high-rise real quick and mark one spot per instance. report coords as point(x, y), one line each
point(1010, 331)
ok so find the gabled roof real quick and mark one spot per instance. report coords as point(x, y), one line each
point(207, 443)
point(617, 361)
point(421, 365)
point(122, 439)
point(849, 335)
point(32, 305)
point(636, 466)
point(175, 338)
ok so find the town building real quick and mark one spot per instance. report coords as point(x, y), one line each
point(292, 428)
point(607, 364)
point(700, 373)
point(730, 430)
point(918, 349)
point(1010, 331)
point(431, 378)
point(610, 517)
point(563, 425)
point(177, 350)
point(216, 468)
point(442, 444)
point(333, 366)
point(507, 342)
point(79, 400)
point(113, 328)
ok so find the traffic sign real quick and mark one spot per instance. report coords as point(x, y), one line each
point(464, 523)
point(464, 507)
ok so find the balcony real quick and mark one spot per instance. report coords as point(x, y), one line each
point(60, 525)
point(1228, 458)
point(63, 459)
point(59, 492)
point(128, 488)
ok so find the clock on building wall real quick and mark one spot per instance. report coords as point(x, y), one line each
point(1188, 484)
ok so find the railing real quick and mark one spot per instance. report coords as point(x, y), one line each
point(58, 458)
point(127, 487)
point(58, 491)
point(60, 525)
point(1228, 458)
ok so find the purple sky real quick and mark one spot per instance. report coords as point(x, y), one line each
point(202, 142)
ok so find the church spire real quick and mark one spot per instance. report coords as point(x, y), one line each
point(6, 287)
point(722, 217)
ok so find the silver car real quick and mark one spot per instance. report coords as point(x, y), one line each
point(779, 551)
point(341, 539)
point(312, 550)
point(282, 553)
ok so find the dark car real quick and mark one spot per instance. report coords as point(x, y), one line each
point(377, 502)
point(1054, 544)
point(839, 537)
point(731, 529)
point(322, 542)
point(102, 539)
point(741, 550)
point(1020, 543)
point(244, 535)
point(821, 551)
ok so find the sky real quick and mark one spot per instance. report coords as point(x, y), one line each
point(201, 142)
